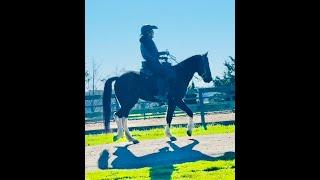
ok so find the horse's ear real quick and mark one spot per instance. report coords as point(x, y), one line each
point(206, 54)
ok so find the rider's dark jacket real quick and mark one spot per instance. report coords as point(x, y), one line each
point(149, 49)
point(151, 55)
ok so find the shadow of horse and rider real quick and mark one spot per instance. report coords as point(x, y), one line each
point(161, 162)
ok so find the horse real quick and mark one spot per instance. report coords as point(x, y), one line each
point(132, 86)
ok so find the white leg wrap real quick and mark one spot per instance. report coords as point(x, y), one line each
point(126, 129)
point(167, 131)
point(190, 125)
point(120, 127)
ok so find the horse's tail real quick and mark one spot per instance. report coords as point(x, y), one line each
point(106, 101)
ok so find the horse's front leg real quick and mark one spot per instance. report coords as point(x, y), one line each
point(127, 132)
point(186, 109)
point(170, 111)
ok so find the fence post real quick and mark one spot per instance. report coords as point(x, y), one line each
point(202, 109)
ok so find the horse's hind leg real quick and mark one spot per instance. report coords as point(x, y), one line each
point(118, 121)
point(127, 132)
point(127, 90)
point(126, 106)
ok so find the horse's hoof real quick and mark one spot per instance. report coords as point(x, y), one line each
point(115, 138)
point(135, 141)
point(189, 132)
point(173, 138)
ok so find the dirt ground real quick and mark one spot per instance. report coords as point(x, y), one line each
point(151, 153)
point(161, 121)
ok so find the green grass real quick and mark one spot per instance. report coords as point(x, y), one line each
point(222, 170)
point(158, 133)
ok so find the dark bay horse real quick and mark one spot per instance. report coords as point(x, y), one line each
point(131, 86)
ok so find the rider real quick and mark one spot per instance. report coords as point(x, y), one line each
point(151, 55)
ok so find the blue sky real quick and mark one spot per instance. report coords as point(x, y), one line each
point(186, 28)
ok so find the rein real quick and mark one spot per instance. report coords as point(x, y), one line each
point(175, 60)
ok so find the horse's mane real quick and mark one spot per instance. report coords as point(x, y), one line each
point(189, 60)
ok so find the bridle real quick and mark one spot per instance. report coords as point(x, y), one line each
point(203, 66)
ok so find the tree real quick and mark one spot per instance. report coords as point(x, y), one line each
point(92, 79)
point(87, 79)
point(118, 72)
point(228, 76)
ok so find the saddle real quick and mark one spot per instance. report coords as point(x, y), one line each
point(145, 70)
point(160, 84)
